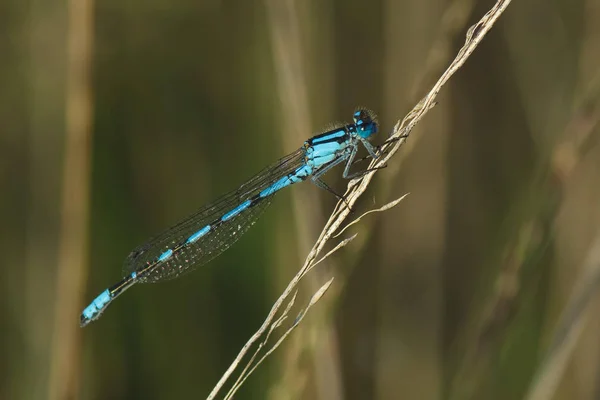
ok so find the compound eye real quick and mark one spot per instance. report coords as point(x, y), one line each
point(362, 118)
point(358, 117)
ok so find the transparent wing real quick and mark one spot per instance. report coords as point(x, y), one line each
point(187, 257)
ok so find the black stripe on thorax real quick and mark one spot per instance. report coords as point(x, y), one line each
point(324, 137)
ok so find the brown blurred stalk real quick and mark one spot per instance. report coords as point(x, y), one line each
point(288, 23)
point(73, 241)
point(544, 240)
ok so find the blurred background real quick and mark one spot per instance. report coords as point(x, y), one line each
point(117, 119)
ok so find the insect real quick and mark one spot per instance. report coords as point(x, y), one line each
point(208, 232)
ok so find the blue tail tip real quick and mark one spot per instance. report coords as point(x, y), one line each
point(94, 310)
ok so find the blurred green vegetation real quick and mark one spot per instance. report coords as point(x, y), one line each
point(456, 293)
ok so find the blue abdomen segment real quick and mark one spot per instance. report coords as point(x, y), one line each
point(94, 310)
point(165, 255)
point(236, 211)
point(198, 234)
point(97, 307)
point(298, 175)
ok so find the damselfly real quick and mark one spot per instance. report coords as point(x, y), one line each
point(211, 230)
